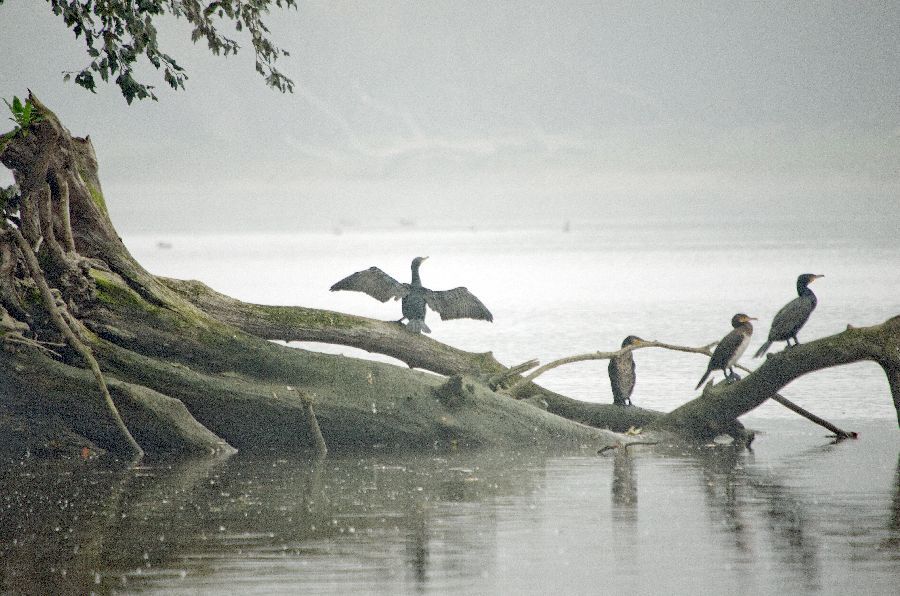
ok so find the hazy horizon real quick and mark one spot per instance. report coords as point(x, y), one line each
point(462, 114)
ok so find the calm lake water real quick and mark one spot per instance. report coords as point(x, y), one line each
point(796, 514)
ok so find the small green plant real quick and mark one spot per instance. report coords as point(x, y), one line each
point(23, 115)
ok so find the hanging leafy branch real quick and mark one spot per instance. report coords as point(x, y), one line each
point(117, 33)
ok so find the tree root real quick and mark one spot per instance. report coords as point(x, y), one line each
point(60, 188)
point(63, 326)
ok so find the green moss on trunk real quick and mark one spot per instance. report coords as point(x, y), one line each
point(114, 292)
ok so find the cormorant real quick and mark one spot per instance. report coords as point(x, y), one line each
point(793, 315)
point(732, 347)
point(458, 303)
point(621, 373)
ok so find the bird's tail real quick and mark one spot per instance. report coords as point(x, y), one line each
point(762, 349)
point(706, 374)
point(418, 326)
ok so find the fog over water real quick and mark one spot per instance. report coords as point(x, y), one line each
point(464, 113)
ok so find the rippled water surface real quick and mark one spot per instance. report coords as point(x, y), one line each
point(796, 514)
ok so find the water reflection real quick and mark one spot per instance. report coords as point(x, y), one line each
point(456, 522)
point(722, 471)
point(624, 484)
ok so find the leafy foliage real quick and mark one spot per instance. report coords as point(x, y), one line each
point(23, 115)
point(117, 33)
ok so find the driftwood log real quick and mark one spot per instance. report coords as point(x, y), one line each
point(191, 370)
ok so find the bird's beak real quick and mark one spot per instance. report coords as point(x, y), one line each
point(424, 258)
point(752, 319)
point(815, 277)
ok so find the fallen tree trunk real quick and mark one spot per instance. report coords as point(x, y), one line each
point(721, 404)
point(150, 341)
point(297, 323)
point(192, 370)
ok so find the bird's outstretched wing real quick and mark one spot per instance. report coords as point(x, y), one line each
point(458, 303)
point(374, 282)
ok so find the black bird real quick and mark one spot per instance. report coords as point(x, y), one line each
point(732, 347)
point(792, 315)
point(458, 303)
point(621, 373)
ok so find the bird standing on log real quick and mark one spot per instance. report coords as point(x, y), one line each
point(458, 303)
point(731, 348)
point(621, 373)
point(793, 315)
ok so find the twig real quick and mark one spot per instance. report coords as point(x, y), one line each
point(515, 389)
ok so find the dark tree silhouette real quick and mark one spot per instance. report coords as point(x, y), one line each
point(117, 33)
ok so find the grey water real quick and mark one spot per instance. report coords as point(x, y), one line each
point(796, 514)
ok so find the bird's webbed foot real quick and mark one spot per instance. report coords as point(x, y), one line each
point(732, 377)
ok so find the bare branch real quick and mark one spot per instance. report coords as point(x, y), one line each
point(518, 387)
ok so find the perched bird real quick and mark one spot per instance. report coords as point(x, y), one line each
point(793, 315)
point(621, 373)
point(458, 303)
point(732, 347)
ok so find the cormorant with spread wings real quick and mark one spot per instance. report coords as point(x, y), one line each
point(458, 303)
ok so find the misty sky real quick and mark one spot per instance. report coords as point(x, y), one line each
point(474, 113)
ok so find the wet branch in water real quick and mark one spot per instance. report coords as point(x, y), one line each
point(706, 350)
